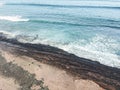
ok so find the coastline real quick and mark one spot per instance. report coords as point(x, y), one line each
point(105, 76)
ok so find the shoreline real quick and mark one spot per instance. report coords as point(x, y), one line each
point(105, 76)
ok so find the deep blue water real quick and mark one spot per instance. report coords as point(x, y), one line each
point(87, 28)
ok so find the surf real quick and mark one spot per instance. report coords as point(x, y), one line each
point(14, 18)
point(99, 48)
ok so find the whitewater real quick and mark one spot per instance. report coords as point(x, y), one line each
point(13, 18)
point(86, 28)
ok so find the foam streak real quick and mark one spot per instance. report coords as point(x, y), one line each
point(13, 18)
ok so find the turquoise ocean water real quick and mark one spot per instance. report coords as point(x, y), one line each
point(86, 28)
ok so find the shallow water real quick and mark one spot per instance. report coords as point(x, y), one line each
point(87, 28)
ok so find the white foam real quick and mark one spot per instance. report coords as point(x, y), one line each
point(103, 57)
point(100, 48)
point(9, 34)
point(13, 18)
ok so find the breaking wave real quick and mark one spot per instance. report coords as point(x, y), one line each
point(14, 18)
point(99, 48)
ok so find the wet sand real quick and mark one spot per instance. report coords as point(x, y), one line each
point(59, 69)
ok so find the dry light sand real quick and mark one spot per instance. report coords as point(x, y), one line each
point(8, 83)
point(54, 78)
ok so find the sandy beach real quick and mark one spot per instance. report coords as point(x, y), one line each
point(27, 67)
point(54, 78)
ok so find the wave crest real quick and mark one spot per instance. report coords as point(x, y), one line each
point(13, 18)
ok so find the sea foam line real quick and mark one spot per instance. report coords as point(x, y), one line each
point(8, 34)
point(13, 18)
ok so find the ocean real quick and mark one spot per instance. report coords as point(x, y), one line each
point(86, 28)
